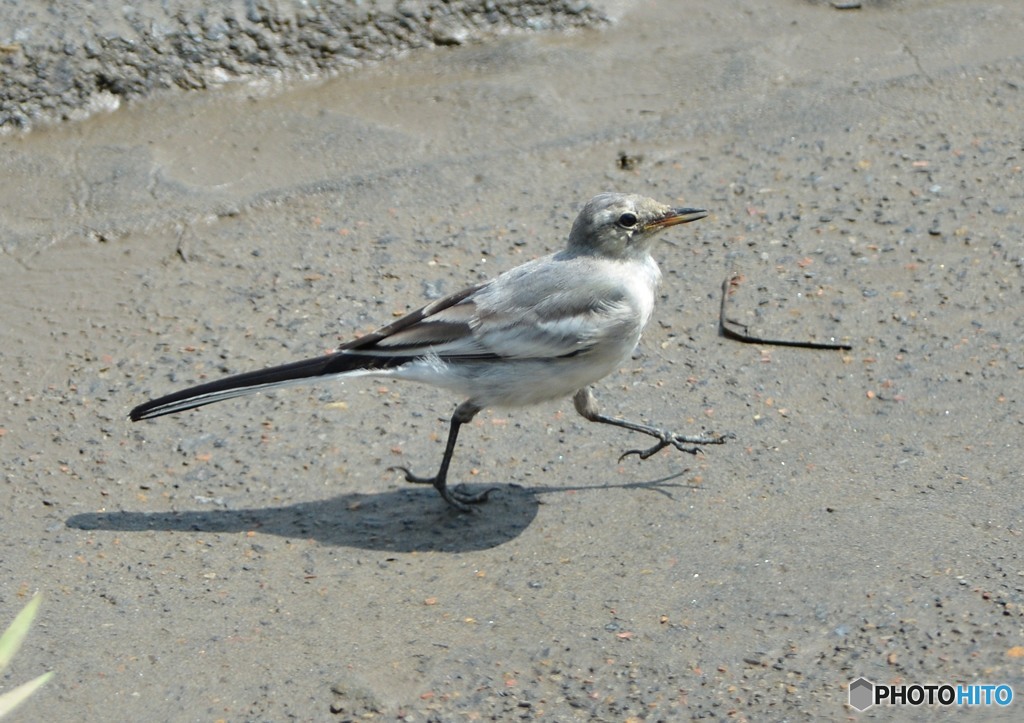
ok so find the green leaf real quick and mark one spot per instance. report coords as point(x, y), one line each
point(10, 641)
point(13, 698)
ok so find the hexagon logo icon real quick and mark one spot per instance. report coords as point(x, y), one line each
point(862, 694)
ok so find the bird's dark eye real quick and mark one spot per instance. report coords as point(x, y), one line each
point(627, 220)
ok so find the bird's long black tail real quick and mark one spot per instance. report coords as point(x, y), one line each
point(343, 362)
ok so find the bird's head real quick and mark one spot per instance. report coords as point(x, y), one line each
point(619, 225)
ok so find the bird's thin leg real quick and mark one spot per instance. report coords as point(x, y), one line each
point(457, 498)
point(586, 405)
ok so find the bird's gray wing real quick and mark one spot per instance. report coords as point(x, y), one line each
point(442, 327)
point(537, 311)
point(562, 322)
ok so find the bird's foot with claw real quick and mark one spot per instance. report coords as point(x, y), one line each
point(461, 499)
point(458, 497)
point(691, 445)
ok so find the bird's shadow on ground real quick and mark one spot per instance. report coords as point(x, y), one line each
point(403, 520)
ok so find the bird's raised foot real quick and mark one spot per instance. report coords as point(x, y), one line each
point(691, 445)
point(458, 497)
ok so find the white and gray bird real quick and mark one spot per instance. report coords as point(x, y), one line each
point(541, 331)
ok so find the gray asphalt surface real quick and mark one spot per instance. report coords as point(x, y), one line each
point(256, 561)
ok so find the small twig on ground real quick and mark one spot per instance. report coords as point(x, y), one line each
point(732, 329)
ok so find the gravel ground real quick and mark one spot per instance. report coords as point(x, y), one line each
point(256, 561)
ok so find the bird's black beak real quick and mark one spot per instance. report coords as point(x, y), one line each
point(676, 216)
